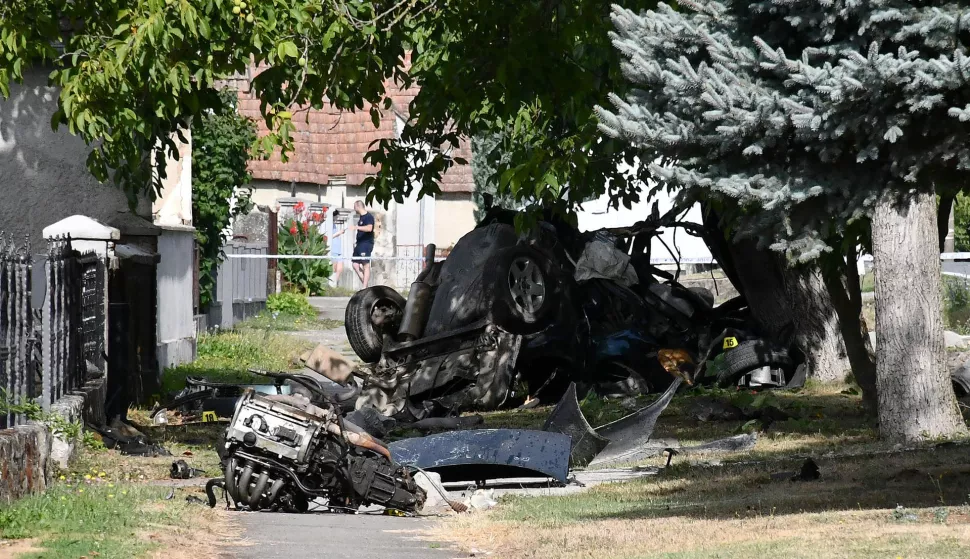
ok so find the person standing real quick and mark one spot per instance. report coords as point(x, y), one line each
point(336, 250)
point(364, 245)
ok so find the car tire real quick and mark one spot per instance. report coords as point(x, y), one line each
point(366, 338)
point(525, 289)
point(748, 356)
point(961, 384)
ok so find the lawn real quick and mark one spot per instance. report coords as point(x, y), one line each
point(227, 356)
point(872, 500)
point(106, 506)
point(279, 322)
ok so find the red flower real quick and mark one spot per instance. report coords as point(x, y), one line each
point(326, 209)
point(324, 238)
point(317, 216)
point(298, 207)
point(305, 227)
point(293, 229)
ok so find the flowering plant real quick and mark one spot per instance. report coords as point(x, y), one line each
point(300, 235)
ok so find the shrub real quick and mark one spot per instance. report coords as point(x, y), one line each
point(291, 303)
point(300, 235)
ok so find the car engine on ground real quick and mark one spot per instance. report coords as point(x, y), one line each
point(282, 452)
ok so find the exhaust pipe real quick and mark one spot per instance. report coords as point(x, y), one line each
point(243, 486)
point(257, 494)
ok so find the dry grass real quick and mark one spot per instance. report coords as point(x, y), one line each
point(810, 536)
point(729, 505)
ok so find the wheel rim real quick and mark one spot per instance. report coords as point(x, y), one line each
point(527, 284)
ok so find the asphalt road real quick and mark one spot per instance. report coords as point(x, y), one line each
point(336, 536)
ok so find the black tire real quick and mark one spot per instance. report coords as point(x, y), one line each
point(508, 310)
point(748, 356)
point(366, 338)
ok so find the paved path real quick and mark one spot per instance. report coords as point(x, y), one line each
point(330, 307)
point(337, 536)
point(315, 535)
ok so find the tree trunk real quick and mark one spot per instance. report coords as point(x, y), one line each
point(842, 280)
point(792, 306)
point(916, 400)
point(944, 220)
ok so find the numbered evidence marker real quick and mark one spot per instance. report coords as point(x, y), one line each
point(730, 342)
point(208, 416)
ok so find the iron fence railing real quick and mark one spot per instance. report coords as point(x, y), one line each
point(16, 331)
point(62, 371)
point(43, 351)
point(92, 270)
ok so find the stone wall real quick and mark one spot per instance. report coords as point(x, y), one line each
point(25, 465)
point(253, 227)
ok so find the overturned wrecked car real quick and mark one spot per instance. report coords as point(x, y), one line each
point(508, 318)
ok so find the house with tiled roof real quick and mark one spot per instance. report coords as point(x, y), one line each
point(327, 167)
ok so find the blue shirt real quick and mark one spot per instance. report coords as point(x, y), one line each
point(365, 237)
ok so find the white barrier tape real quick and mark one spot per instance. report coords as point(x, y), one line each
point(943, 256)
point(339, 258)
point(707, 260)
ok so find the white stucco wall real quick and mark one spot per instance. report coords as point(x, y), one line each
point(43, 177)
point(174, 274)
point(454, 216)
point(174, 206)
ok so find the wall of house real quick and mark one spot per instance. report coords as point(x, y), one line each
point(174, 206)
point(43, 177)
point(174, 274)
point(454, 216)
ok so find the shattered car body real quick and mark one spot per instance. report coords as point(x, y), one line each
point(541, 309)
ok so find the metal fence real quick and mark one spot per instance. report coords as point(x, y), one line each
point(16, 330)
point(241, 285)
point(43, 354)
point(62, 362)
point(92, 269)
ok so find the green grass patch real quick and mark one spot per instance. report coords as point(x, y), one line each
point(283, 322)
point(85, 518)
point(226, 356)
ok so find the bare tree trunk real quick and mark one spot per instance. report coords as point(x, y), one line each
point(791, 305)
point(944, 220)
point(916, 400)
point(842, 280)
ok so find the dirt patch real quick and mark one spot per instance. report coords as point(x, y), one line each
point(205, 533)
point(9, 549)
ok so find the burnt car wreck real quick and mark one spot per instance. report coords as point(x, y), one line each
point(508, 318)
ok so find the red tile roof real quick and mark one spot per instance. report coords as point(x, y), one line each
point(330, 143)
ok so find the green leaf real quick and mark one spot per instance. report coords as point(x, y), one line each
point(288, 48)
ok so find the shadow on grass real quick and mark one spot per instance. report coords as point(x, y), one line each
point(929, 478)
point(857, 470)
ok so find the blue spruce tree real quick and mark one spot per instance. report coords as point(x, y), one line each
point(814, 123)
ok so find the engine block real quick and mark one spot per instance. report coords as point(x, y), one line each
point(274, 427)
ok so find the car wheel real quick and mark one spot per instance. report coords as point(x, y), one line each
point(525, 289)
point(370, 313)
point(748, 356)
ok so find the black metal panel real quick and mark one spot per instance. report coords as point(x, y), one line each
point(568, 419)
point(482, 454)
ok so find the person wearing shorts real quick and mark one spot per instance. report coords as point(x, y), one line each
point(364, 244)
